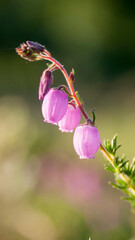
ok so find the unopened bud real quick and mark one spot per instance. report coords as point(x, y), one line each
point(72, 76)
point(35, 46)
point(45, 83)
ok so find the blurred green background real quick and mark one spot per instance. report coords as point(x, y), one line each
point(46, 192)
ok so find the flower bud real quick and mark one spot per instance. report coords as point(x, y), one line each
point(71, 119)
point(45, 82)
point(30, 51)
point(72, 77)
point(54, 105)
point(34, 46)
point(86, 141)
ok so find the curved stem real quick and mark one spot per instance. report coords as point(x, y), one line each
point(66, 90)
point(110, 159)
point(70, 85)
point(108, 156)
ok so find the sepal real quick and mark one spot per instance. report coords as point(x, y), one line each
point(94, 116)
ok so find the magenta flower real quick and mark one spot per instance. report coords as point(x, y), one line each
point(54, 105)
point(71, 119)
point(86, 141)
point(45, 82)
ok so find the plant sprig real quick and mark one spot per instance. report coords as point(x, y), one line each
point(124, 171)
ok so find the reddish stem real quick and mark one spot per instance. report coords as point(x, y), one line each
point(70, 85)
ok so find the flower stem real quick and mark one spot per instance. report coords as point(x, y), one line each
point(70, 85)
point(110, 158)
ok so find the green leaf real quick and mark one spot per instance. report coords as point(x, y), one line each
point(110, 169)
point(108, 146)
point(73, 71)
point(133, 180)
point(120, 181)
point(128, 198)
point(48, 64)
point(104, 144)
point(94, 116)
point(117, 160)
point(121, 165)
point(117, 186)
point(123, 158)
point(117, 147)
point(77, 94)
point(114, 141)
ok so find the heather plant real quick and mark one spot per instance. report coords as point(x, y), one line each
point(86, 140)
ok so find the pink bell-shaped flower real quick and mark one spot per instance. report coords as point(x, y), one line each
point(71, 119)
point(86, 141)
point(54, 105)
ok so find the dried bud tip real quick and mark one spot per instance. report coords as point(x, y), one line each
point(30, 51)
point(36, 46)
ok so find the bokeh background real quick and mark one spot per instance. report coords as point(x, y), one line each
point(46, 192)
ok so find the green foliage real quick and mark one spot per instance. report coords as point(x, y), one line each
point(124, 171)
point(112, 146)
point(78, 96)
point(73, 71)
point(94, 116)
